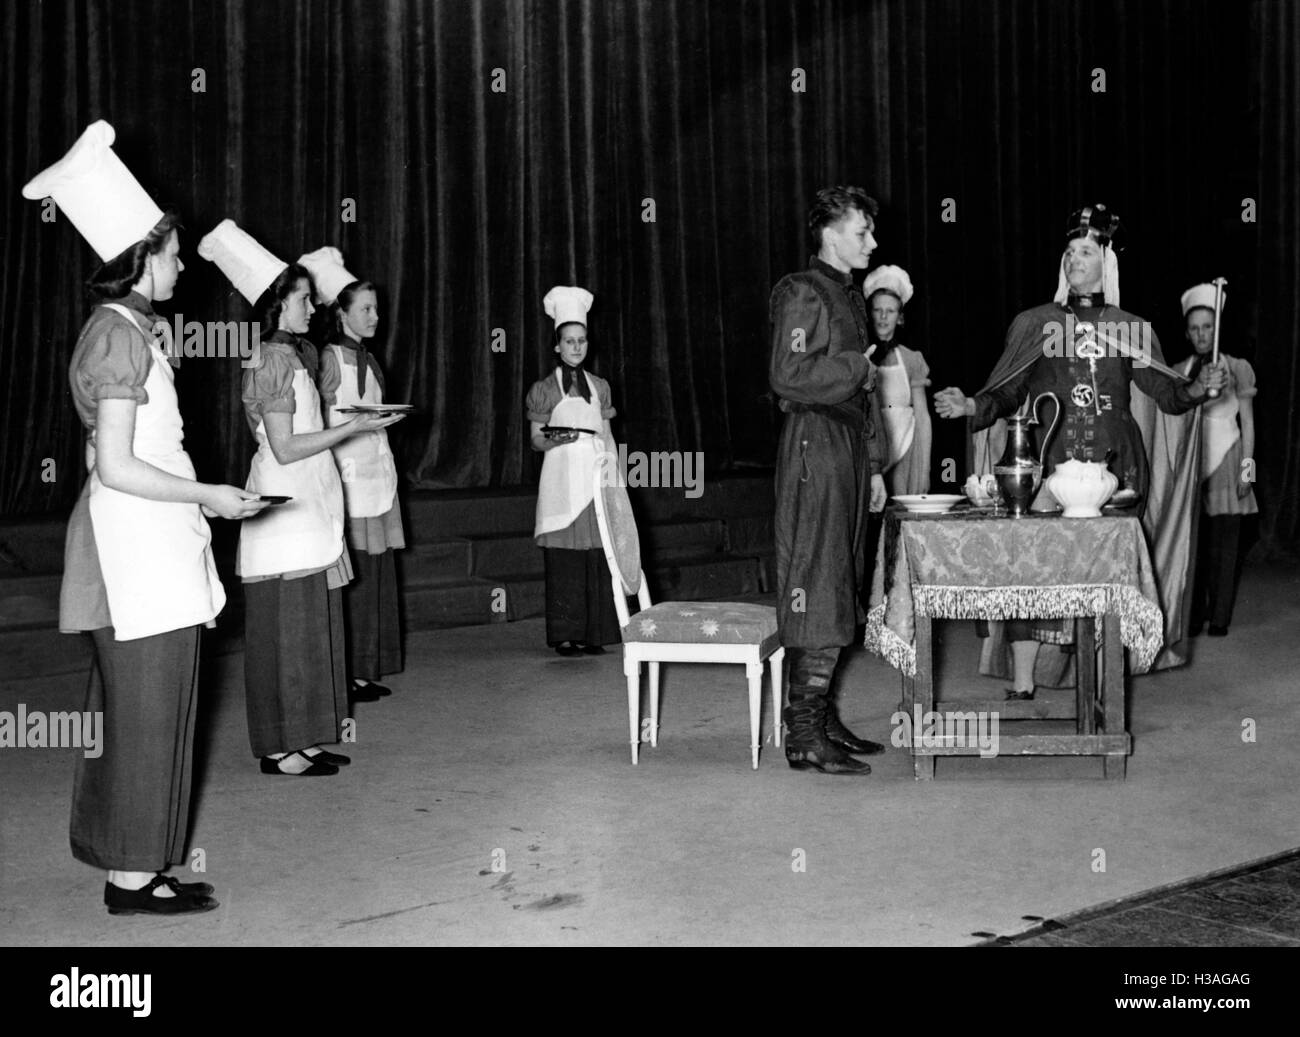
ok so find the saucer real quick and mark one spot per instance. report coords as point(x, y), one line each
point(930, 503)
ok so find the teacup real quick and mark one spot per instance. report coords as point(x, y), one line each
point(982, 490)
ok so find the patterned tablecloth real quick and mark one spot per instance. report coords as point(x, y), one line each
point(972, 565)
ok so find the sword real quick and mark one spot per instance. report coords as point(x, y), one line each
point(1119, 347)
point(1219, 283)
point(1124, 351)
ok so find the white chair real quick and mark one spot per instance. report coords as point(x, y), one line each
point(679, 631)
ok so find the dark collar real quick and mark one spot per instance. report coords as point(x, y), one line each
point(288, 338)
point(1094, 300)
point(823, 267)
point(137, 303)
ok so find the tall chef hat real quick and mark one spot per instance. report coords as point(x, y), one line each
point(96, 191)
point(326, 268)
point(568, 305)
point(246, 264)
point(892, 279)
point(1201, 295)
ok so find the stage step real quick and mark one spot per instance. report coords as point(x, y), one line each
point(476, 562)
point(29, 601)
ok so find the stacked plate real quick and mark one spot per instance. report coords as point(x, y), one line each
point(930, 503)
point(378, 408)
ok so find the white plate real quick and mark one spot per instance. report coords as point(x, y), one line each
point(929, 503)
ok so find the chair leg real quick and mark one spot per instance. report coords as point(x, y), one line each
point(755, 673)
point(654, 704)
point(632, 669)
point(776, 664)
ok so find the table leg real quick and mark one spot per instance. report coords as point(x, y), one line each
point(923, 692)
point(1113, 704)
point(1085, 669)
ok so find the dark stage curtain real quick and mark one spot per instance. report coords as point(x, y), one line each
point(471, 203)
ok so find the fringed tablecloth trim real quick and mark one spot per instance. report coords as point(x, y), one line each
point(882, 641)
point(1141, 623)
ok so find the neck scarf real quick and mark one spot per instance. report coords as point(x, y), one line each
point(883, 349)
point(569, 376)
point(363, 359)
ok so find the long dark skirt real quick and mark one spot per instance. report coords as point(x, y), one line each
point(131, 804)
point(295, 681)
point(1221, 548)
point(374, 627)
point(579, 601)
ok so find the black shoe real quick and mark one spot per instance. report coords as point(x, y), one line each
point(363, 693)
point(1019, 696)
point(832, 760)
point(372, 688)
point(325, 756)
point(592, 649)
point(121, 901)
point(202, 889)
point(316, 770)
point(806, 744)
point(568, 648)
point(1218, 631)
point(838, 734)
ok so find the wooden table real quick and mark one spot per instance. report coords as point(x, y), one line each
point(975, 565)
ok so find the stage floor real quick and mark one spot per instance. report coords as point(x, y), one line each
point(491, 801)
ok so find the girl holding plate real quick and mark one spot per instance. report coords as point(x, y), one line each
point(293, 561)
point(569, 414)
point(138, 567)
point(350, 377)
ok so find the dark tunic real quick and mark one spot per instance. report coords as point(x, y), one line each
point(829, 449)
point(1093, 421)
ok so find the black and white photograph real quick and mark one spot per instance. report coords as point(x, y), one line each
point(650, 474)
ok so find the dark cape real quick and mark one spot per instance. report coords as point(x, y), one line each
point(1153, 426)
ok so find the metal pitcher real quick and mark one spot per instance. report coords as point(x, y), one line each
point(1020, 471)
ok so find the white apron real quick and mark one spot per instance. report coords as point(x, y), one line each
point(568, 471)
point(896, 408)
point(365, 461)
point(1219, 428)
point(155, 556)
point(306, 533)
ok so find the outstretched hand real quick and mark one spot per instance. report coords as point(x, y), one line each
point(230, 502)
point(950, 403)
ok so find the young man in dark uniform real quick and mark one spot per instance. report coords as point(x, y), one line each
point(828, 471)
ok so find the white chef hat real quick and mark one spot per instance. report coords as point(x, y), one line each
point(1200, 295)
point(326, 268)
point(241, 257)
point(96, 191)
point(892, 279)
point(567, 305)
